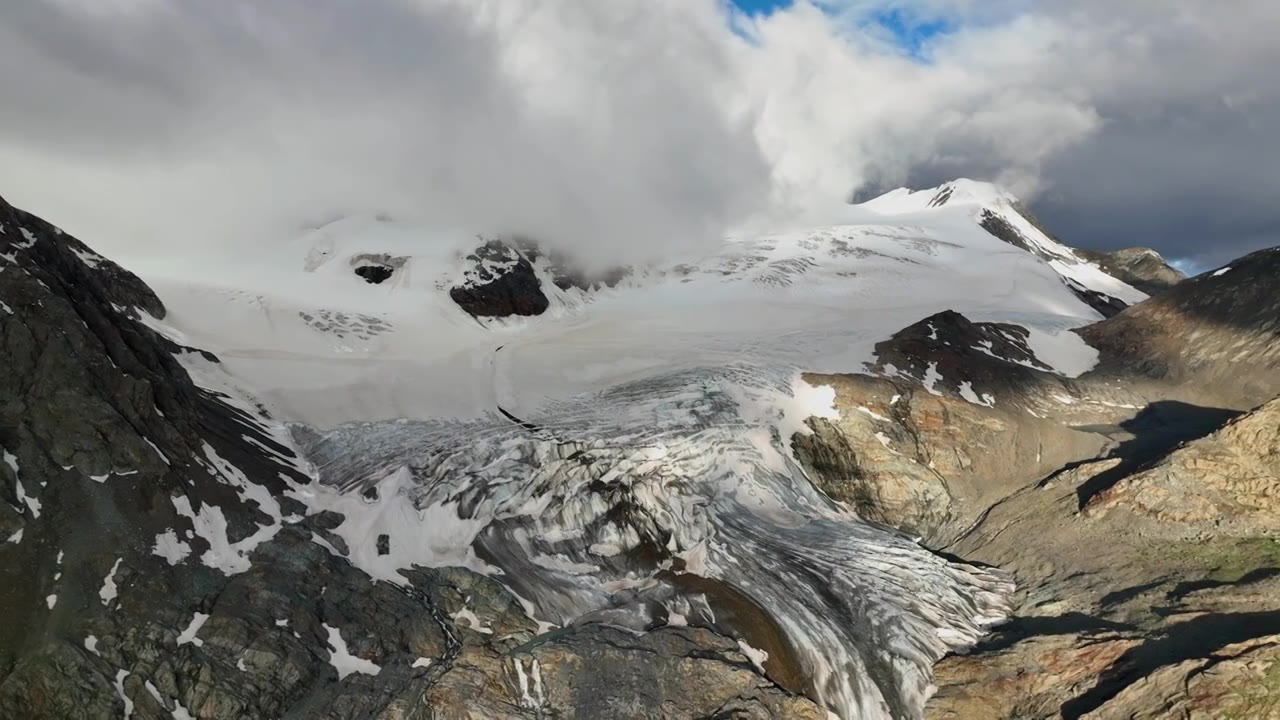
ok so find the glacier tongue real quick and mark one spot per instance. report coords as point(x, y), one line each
point(670, 500)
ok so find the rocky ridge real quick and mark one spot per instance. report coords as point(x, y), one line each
point(1134, 504)
point(156, 565)
point(1140, 267)
point(174, 573)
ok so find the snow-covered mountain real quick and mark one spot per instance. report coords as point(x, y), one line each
point(465, 470)
point(422, 374)
point(323, 339)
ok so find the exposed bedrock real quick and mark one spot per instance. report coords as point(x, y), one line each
point(1135, 505)
point(499, 282)
point(1140, 267)
point(1213, 339)
point(929, 464)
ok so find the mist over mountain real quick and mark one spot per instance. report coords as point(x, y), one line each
point(529, 359)
point(639, 128)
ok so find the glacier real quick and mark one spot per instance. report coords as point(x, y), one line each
point(671, 497)
point(626, 456)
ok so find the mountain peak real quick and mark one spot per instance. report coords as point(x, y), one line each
point(958, 192)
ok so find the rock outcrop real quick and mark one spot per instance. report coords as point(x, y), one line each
point(499, 282)
point(1226, 483)
point(1140, 267)
point(948, 354)
point(929, 463)
point(512, 279)
point(1124, 613)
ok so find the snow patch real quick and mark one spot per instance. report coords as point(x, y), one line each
point(473, 622)
point(108, 591)
point(931, 378)
point(170, 547)
point(32, 504)
point(1064, 351)
point(89, 258)
point(189, 635)
point(756, 656)
point(966, 392)
point(163, 457)
point(434, 536)
point(1223, 271)
point(531, 694)
point(211, 525)
point(128, 704)
point(873, 414)
point(344, 662)
point(91, 644)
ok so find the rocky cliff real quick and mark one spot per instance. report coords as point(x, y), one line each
point(155, 563)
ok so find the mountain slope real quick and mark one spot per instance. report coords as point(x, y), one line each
point(235, 578)
point(158, 562)
point(1143, 268)
point(1006, 218)
point(322, 345)
point(422, 475)
point(1214, 334)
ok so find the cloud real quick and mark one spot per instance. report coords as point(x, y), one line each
point(633, 126)
point(189, 123)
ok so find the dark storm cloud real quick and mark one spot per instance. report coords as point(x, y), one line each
point(1200, 185)
point(165, 126)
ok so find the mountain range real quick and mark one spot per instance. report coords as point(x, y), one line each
point(923, 461)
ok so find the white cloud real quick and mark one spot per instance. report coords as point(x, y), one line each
point(641, 125)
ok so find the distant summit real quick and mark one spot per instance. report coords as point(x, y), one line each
point(1141, 267)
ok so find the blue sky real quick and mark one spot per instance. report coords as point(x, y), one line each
point(760, 7)
point(911, 34)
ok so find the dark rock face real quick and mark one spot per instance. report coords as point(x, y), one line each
point(1106, 305)
point(1216, 332)
point(377, 268)
point(500, 283)
point(116, 600)
point(374, 274)
point(1001, 229)
point(942, 197)
point(983, 357)
point(1142, 268)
